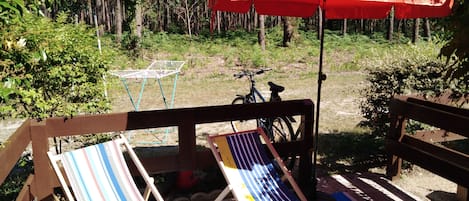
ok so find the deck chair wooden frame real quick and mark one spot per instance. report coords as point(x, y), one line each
point(99, 172)
point(248, 170)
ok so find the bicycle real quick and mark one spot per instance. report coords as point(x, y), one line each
point(278, 129)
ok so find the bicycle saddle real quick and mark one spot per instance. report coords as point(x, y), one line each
point(275, 87)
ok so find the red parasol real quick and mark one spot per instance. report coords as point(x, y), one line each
point(339, 9)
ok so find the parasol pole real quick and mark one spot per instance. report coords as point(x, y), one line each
point(321, 78)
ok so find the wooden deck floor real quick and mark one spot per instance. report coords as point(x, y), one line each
point(363, 186)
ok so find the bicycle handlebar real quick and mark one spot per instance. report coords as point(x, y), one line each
point(251, 73)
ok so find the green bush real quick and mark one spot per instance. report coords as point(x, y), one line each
point(398, 70)
point(50, 69)
point(403, 70)
point(399, 79)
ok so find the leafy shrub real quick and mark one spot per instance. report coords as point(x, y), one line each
point(401, 78)
point(131, 43)
point(11, 10)
point(50, 69)
point(403, 70)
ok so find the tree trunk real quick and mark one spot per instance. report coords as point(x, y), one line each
point(362, 26)
point(287, 31)
point(261, 35)
point(218, 22)
point(107, 16)
point(390, 26)
point(187, 14)
point(344, 27)
point(98, 9)
point(90, 12)
point(426, 29)
point(415, 35)
point(118, 21)
point(138, 20)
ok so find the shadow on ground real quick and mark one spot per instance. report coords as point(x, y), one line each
point(441, 195)
point(349, 152)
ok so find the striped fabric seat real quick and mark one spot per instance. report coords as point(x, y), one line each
point(99, 172)
point(249, 171)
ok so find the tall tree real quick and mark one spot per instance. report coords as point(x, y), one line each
point(89, 5)
point(287, 31)
point(344, 27)
point(426, 29)
point(261, 34)
point(138, 18)
point(118, 21)
point(390, 31)
point(415, 33)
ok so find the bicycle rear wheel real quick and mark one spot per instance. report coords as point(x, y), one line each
point(242, 125)
point(282, 130)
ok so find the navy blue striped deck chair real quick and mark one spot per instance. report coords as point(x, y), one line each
point(248, 170)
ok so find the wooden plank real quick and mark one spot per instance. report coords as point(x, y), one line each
point(169, 162)
point(442, 119)
point(435, 136)
point(429, 162)
point(12, 149)
point(25, 193)
point(223, 113)
point(439, 106)
point(86, 124)
point(440, 152)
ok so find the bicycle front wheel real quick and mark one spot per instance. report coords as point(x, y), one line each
point(243, 125)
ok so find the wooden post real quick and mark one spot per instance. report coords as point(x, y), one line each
point(187, 144)
point(396, 132)
point(461, 193)
point(42, 186)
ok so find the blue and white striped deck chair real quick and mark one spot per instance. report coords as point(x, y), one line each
point(99, 172)
point(248, 170)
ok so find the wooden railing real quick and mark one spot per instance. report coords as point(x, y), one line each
point(40, 185)
point(423, 148)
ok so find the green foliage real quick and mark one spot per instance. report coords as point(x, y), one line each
point(401, 78)
point(131, 43)
point(410, 72)
point(50, 69)
point(456, 50)
point(10, 11)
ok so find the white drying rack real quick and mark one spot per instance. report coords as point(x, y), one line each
point(158, 69)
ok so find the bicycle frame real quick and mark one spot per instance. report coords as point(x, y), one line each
point(252, 95)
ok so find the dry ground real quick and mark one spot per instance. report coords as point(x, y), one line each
point(201, 86)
